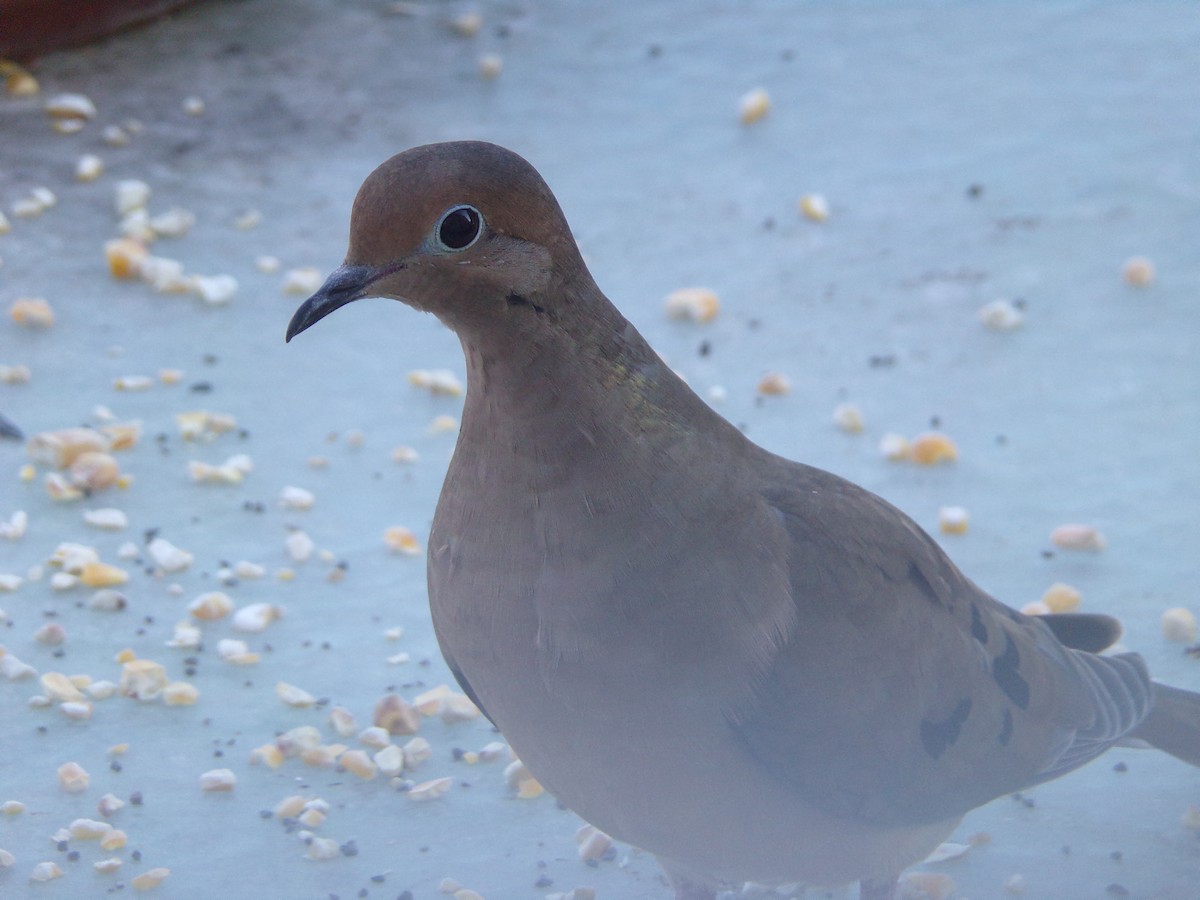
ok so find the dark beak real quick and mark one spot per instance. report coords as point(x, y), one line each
point(344, 285)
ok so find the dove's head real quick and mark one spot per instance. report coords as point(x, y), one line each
point(466, 230)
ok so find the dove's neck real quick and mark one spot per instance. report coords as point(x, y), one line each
point(553, 394)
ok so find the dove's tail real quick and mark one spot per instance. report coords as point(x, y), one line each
point(1174, 723)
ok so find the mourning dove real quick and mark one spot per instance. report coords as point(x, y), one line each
point(750, 667)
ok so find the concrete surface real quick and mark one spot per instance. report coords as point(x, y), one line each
point(1078, 125)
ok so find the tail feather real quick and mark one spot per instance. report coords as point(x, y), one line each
point(1174, 723)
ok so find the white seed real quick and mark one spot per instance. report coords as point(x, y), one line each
point(107, 519)
point(88, 829)
point(148, 880)
point(753, 106)
point(218, 780)
point(52, 634)
point(252, 218)
point(60, 688)
point(71, 106)
point(491, 65)
point(592, 842)
point(133, 383)
point(443, 424)
point(73, 778)
point(430, 790)
point(953, 520)
point(107, 866)
point(299, 546)
point(403, 454)
point(390, 760)
point(1179, 624)
point(296, 498)
point(89, 167)
point(302, 281)
point(248, 570)
point(294, 696)
point(1001, 315)
point(10, 582)
point(101, 690)
point(814, 207)
point(193, 106)
point(467, 24)
point(1078, 537)
point(323, 848)
point(128, 550)
point(63, 581)
point(130, 194)
point(375, 736)
point(215, 290)
point(175, 222)
point(848, 417)
point(236, 652)
point(45, 871)
point(398, 659)
point(342, 721)
point(167, 556)
point(12, 808)
point(493, 751)
point(14, 669)
point(78, 711)
point(186, 636)
point(256, 617)
point(894, 447)
point(110, 804)
point(695, 303)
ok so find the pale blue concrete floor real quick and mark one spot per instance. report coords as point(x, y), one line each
point(1079, 121)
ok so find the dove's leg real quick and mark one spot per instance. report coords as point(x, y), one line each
point(877, 889)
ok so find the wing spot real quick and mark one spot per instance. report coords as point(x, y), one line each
point(938, 736)
point(1006, 671)
point(1006, 729)
point(978, 628)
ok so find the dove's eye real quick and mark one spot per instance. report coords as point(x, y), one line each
point(459, 228)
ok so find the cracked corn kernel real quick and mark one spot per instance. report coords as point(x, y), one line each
point(754, 104)
point(416, 751)
point(304, 280)
point(70, 106)
point(695, 303)
point(395, 715)
point(102, 575)
point(73, 778)
point(292, 497)
point(269, 754)
point(519, 779)
point(180, 693)
point(848, 417)
point(437, 381)
point(592, 843)
point(7, 860)
point(12, 808)
point(356, 762)
point(491, 65)
point(109, 805)
point(60, 688)
point(401, 540)
point(148, 880)
point(467, 24)
point(389, 760)
point(211, 606)
point(18, 82)
point(1179, 624)
point(1061, 598)
point(218, 781)
point(114, 840)
point(814, 207)
point(93, 471)
point(89, 167)
point(256, 617)
point(374, 736)
point(1138, 271)
point(167, 556)
point(143, 679)
point(32, 312)
point(774, 384)
point(928, 885)
point(60, 448)
point(290, 807)
point(193, 106)
point(125, 257)
point(953, 520)
point(342, 721)
point(932, 448)
point(299, 546)
point(1078, 537)
point(311, 818)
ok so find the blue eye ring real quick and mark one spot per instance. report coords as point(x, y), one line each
point(458, 228)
